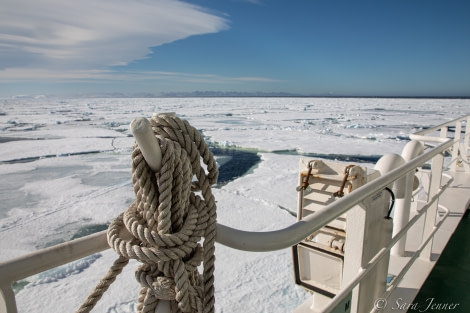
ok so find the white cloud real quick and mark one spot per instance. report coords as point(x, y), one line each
point(106, 75)
point(49, 36)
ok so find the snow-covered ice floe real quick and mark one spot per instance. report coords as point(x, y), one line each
point(65, 168)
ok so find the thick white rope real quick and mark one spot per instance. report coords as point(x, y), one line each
point(164, 227)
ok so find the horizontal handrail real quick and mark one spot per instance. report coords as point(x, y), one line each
point(48, 258)
point(363, 271)
point(428, 138)
point(382, 252)
point(438, 127)
point(39, 261)
point(293, 234)
point(416, 254)
point(461, 141)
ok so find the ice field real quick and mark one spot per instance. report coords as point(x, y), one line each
point(65, 172)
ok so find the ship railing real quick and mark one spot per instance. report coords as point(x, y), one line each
point(437, 139)
point(51, 257)
point(461, 139)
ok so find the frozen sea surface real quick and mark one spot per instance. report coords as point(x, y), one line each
point(65, 168)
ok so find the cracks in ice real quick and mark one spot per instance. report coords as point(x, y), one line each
point(262, 201)
point(65, 205)
point(56, 155)
point(294, 214)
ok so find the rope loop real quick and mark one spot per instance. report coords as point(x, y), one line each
point(170, 228)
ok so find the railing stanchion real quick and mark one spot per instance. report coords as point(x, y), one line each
point(7, 299)
point(465, 146)
point(431, 214)
point(401, 214)
point(456, 146)
point(466, 141)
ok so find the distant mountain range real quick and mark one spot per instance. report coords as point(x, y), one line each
point(228, 94)
point(214, 94)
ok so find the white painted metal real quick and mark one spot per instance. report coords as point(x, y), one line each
point(43, 260)
point(368, 230)
point(379, 256)
point(365, 225)
point(466, 143)
point(388, 163)
point(363, 271)
point(148, 144)
point(7, 299)
point(434, 186)
point(417, 253)
point(401, 214)
point(455, 148)
point(425, 132)
point(460, 148)
point(462, 154)
point(287, 237)
point(319, 259)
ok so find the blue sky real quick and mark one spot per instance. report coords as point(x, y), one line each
point(305, 47)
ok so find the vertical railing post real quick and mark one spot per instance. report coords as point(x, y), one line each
point(466, 141)
point(431, 214)
point(7, 299)
point(368, 231)
point(456, 146)
point(364, 221)
point(443, 133)
point(401, 214)
point(465, 146)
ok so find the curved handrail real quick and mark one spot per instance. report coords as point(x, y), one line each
point(293, 234)
point(284, 238)
point(238, 239)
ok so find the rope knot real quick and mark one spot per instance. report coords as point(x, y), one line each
point(165, 225)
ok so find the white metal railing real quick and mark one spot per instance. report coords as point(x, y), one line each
point(284, 238)
point(22, 267)
point(383, 252)
point(460, 146)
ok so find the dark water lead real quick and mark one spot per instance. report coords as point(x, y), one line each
point(235, 163)
point(88, 230)
point(446, 288)
point(334, 157)
point(239, 163)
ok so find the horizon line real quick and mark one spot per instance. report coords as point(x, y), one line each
point(227, 94)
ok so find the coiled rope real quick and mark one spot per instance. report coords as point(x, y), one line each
point(164, 227)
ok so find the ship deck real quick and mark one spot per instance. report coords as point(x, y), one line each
point(457, 200)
